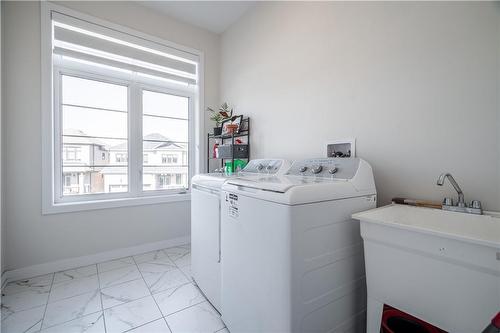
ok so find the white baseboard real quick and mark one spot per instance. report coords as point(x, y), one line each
point(64, 264)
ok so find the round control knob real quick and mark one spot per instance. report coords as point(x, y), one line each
point(303, 168)
point(316, 169)
point(332, 170)
point(260, 167)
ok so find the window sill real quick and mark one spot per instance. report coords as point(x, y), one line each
point(68, 207)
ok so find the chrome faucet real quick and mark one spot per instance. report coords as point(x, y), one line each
point(440, 182)
point(461, 206)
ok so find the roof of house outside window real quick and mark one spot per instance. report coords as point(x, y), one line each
point(77, 137)
point(153, 141)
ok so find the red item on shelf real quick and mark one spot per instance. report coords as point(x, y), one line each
point(494, 326)
point(396, 321)
point(496, 321)
point(215, 150)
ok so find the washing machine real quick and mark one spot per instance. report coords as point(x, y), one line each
point(292, 255)
point(205, 223)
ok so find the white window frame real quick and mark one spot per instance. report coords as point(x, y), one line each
point(52, 199)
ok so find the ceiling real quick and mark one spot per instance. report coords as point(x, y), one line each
point(214, 16)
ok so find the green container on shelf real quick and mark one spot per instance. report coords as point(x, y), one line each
point(238, 165)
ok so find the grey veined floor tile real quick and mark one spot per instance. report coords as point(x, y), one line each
point(75, 273)
point(224, 330)
point(177, 252)
point(184, 260)
point(164, 280)
point(124, 317)
point(92, 323)
point(157, 326)
point(115, 264)
point(24, 300)
point(156, 266)
point(23, 321)
point(72, 308)
point(158, 255)
point(117, 276)
point(36, 284)
point(113, 296)
point(201, 318)
point(187, 271)
point(178, 298)
point(70, 288)
point(123, 293)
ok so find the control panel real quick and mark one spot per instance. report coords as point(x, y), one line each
point(263, 166)
point(337, 168)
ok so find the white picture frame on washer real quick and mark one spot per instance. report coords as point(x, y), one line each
point(341, 148)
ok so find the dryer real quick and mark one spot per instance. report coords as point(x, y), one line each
point(205, 223)
point(292, 255)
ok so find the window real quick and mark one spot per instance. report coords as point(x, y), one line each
point(164, 181)
point(120, 114)
point(121, 158)
point(76, 183)
point(94, 119)
point(165, 129)
point(168, 159)
point(72, 153)
point(67, 180)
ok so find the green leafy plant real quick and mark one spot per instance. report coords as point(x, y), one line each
point(224, 112)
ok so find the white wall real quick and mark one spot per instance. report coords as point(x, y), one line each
point(416, 83)
point(33, 238)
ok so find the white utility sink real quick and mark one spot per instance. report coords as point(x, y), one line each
point(440, 266)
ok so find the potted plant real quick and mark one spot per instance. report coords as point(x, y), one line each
point(219, 116)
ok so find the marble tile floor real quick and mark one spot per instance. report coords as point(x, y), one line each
point(148, 293)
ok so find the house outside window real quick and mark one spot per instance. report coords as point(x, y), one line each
point(120, 158)
point(164, 180)
point(120, 122)
point(169, 159)
point(72, 153)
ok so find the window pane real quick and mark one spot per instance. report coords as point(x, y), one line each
point(164, 178)
point(97, 94)
point(164, 129)
point(101, 123)
point(165, 142)
point(94, 149)
point(165, 105)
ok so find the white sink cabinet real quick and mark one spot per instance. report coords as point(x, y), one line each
point(442, 267)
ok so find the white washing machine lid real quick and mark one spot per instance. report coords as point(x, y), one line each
point(212, 180)
point(353, 178)
point(255, 168)
point(279, 184)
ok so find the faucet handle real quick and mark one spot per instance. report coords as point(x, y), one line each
point(475, 204)
point(447, 202)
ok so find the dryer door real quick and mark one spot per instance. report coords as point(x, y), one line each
point(205, 242)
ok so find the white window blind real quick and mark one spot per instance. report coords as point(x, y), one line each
point(85, 41)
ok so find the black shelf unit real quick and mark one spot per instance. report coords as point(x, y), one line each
point(245, 123)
